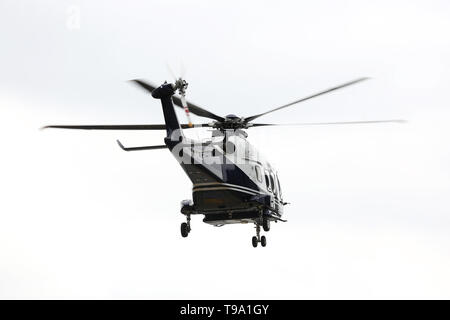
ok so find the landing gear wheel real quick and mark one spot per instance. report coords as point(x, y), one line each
point(184, 229)
point(263, 241)
point(254, 241)
point(266, 225)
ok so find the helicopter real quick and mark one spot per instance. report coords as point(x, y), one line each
point(232, 182)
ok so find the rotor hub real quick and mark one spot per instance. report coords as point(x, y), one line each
point(231, 122)
point(180, 85)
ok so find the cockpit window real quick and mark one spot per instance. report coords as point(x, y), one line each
point(279, 187)
point(272, 184)
point(229, 147)
point(258, 173)
point(267, 181)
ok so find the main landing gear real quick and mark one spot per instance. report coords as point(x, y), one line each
point(186, 226)
point(265, 223)
point(258, 237)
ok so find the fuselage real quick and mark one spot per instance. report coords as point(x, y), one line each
point(231, 180)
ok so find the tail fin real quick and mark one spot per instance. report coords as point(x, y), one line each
point(165, 93)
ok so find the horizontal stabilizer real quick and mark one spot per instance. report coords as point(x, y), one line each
point(140, 148)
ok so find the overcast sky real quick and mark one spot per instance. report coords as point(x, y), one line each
point(369, 214)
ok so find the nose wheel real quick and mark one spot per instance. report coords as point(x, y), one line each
point(254, 241)
point(263, 241)
point(258, 238)
point(186, 226)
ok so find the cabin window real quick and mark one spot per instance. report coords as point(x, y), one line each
point(258, 173)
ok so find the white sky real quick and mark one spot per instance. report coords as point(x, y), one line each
point(369, 214)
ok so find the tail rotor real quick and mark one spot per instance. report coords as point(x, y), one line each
point(181, 85)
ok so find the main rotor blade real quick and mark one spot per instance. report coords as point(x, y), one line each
point(144, 85)
point(251, 118)
point(193, 108)
point(196, 109)
point(123, 126)
point(328, 123)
